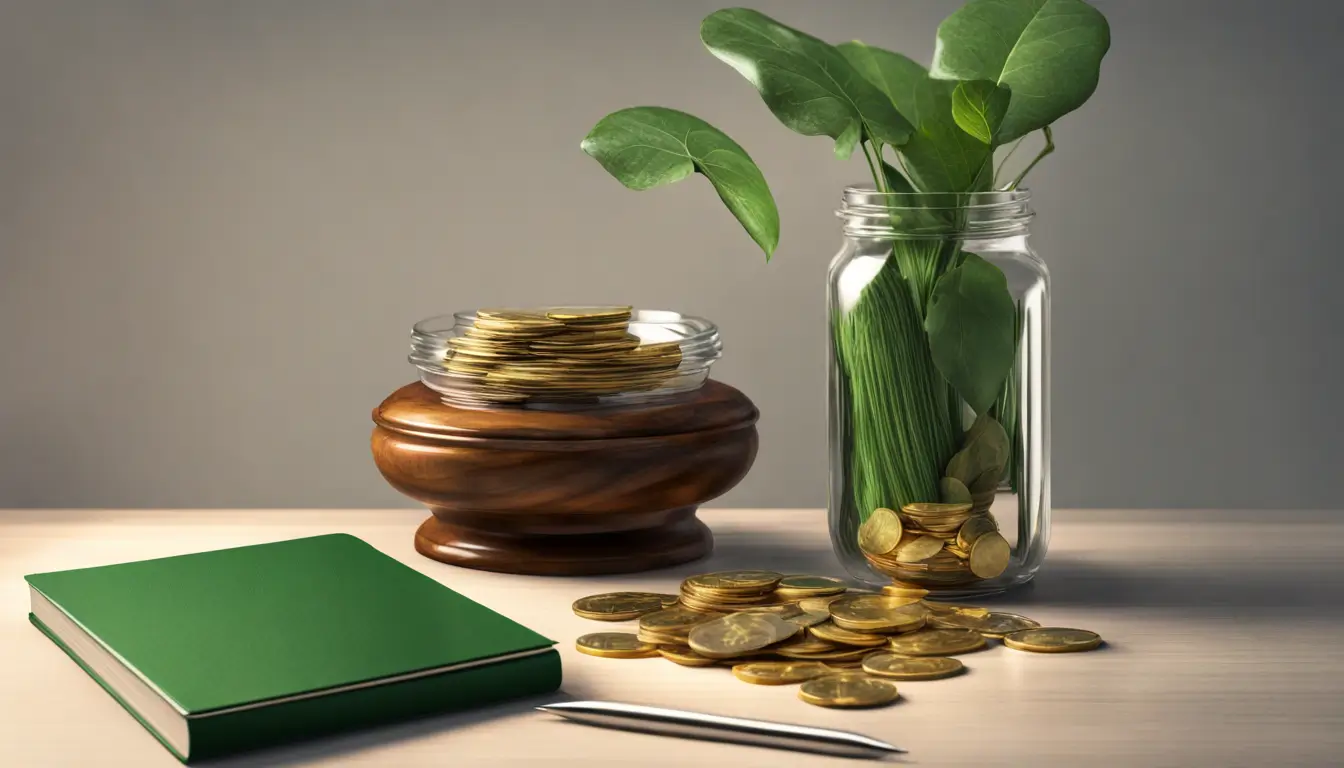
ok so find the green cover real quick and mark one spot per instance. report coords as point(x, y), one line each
point(237, 626)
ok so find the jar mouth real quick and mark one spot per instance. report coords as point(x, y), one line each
point(869, 213)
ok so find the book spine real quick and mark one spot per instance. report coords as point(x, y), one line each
point(218, 735)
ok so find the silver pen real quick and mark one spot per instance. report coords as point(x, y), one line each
point(697, 725)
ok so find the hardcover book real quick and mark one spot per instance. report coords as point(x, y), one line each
point(224, 651)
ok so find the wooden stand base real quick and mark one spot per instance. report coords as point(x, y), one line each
point(677, 537)
point(565, 493)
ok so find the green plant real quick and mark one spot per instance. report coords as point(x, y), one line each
point(937, 327)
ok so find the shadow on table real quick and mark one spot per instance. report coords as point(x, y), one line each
point(1277, 586)
point(1202, 588)
point(320, 750)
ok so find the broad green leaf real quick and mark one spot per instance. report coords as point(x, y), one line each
point(953, 491)
point(896, 181)
point(940, 156)
point(645, 147)
point(804, 81)
point(1048, 52)
point(970, 325)
point(984, 453)
point(847, 141)
point(978, 106)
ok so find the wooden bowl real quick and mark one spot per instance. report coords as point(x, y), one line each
point(606, 490)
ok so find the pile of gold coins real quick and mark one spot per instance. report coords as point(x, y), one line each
point(844, 646)
point(511, 355)
point(934, 545)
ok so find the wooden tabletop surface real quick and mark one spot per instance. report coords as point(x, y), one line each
point(1225, 632)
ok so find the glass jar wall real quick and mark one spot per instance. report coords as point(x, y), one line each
point(895, 423)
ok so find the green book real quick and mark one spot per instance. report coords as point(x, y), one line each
point(220, 652)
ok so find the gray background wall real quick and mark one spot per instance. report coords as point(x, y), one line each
point(218, 221)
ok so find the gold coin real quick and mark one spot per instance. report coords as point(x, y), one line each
point(738, 634)
point(803, 645)
point(881, 532)
point(615, 645)
point(934, 509)
point(878, 613)
point(783, 611)
point(904, 668)
point(919, 550)
point(779, 672)
point(899, 591)
point(973, 529)
point(1053, 640)
point(832, 633)
point(847, 690)
point(676, 618)
point(940, 608)
point(992, 624)
point(838, 655)
point(818, 604)
point(805, 619)
point(711, 606)
point(621, 606)
point(589, 314)
point(938, 642)
point(683, 655)
point(810, 586)
point(736, 581)
point(661, 638)
point(989, 555)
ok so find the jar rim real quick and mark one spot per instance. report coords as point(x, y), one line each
point(869, 213)
point(867, 194)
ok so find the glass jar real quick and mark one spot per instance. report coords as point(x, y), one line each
point(895, 423)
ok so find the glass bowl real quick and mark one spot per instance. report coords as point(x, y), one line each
point(696, 339)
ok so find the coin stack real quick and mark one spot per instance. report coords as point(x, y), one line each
point(845, 647)
point(723, 593)
point(560, 353)
point(934, 545)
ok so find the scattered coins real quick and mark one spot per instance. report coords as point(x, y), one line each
point(879, 614)
point(1053, 640)
point(938, 642)
point(683, 655)
point(848, 691)
point(561, 353)
point(615, 645)
point(779, 672)
point(621, 606)
point(738, 634)
point(843, 647)
point(990, 624)
point(906, 668)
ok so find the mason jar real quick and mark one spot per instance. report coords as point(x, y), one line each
point(895, 422)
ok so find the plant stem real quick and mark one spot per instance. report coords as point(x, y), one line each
point(874, 168)
point(1005, 160)
point(1047, 149)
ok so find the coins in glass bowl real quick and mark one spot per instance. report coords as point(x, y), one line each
point(557, 353)
point(844, 646)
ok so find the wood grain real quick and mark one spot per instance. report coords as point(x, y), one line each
point(583, 492)
point(1223, 632)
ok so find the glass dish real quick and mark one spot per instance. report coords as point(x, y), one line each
point(697, 340)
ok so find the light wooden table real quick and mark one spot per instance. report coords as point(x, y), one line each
point(1226, 649)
